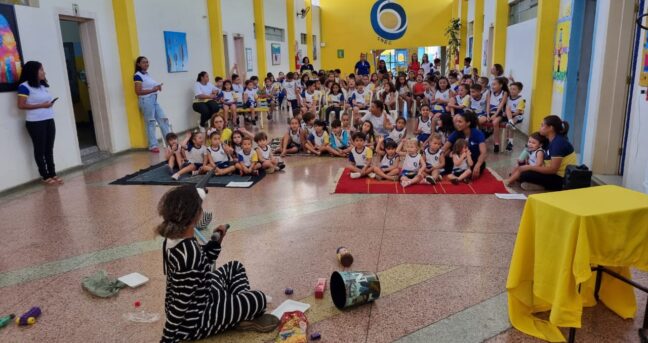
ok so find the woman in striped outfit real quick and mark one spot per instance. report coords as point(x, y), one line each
point(202, 300)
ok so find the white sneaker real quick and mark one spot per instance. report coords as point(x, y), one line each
point(195, 172)
point(355, 175)
point(175, 176)
point(531, 187)
point(372, 175)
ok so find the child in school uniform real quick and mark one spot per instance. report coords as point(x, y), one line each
point(359, 99)
point(467, 69)
point(434, 160)
point(441, 98)
point(477, 100)
point(396, 134)
point(460, 101)
point(424, 125)
point(196, 153)
point(201, 299)
point(310, 98)
point(389, 164)
point(290, 90)
point(173, 154)
point(308, 125)
point(496, 105)
point(318, 141)
point(339, 140)
point(218, 158)
point(292, 142)
point(413, 164)
point(346, 124)
point(370, 136)
point(453, 78)
point(248, 160)
point(250, 101)
point(534, 156)
point(267, 160)
point(228, 98)
point(360, 157)
point(462, 161)
point(515, 107)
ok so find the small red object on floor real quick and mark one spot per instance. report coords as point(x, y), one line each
point(319, 288)
point(137, 303)
point(315, 336)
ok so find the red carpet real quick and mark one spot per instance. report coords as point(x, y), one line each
point(485, 184)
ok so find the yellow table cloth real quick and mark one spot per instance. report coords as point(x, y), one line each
point(561, 236)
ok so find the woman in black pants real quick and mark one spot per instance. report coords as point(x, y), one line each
point(205, 94)
point(34, 98)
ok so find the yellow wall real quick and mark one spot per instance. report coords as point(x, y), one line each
point(347, 25)
point(542, 90)
point(478, 34)
point(259, 31)
point(464, 30)
point(215, 16)
point(499, 32)
point(290, 23)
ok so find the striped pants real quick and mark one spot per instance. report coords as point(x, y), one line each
point(242, 303)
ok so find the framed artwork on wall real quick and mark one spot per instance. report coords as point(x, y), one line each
point(275, 50)
point(11, 59)
point(177, 57)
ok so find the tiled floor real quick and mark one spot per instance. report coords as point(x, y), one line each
point(442, 258)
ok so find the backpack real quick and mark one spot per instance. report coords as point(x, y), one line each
point(577, 177)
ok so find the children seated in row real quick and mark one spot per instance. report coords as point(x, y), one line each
point(195, 153)
point(496, 106)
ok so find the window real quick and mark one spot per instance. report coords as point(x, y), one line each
point(274, 34)
point(314, 48)
point(304, 38)
point(471, 26)
point(522, 10)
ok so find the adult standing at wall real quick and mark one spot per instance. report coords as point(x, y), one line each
point(559, 154)
point(147, 90)
point(426, 65)
point(34, 98)
point(205, 98)
point(362, 67)
point(414, 64)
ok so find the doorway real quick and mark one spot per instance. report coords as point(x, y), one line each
point(226, 55)
point(239, 54)
point(583, 74)
point(80, 43)
point(79, 92)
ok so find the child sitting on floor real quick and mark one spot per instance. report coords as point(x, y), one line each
point(388, 169)
point(248, 161)
point(292, 142)
point(339, 140)
point(218, 159)
point(318, 141)
point(413, 164)
point(360, 157)
point(307, 125)
point(173, 153)
point(534, 156)
point(462, 160)
point(202, 300)
point(434, 161)
point(397, 134)
point(196, 154)
point(264, 153)
point(346, 123)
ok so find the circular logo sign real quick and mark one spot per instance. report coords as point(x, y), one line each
point(388, 19)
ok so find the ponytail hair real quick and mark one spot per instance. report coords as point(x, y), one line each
point(559, 126)
point(179, 208)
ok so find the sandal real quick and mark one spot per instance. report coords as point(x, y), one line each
point(264, 323)
point(49, 182)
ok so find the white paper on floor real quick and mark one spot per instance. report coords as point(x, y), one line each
point(507, 196)
point(237, 184)
point(289, 306)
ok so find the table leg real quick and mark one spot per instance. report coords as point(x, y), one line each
point(597, 287)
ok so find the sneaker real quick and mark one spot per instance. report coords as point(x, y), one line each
point(531, 187)
point(496, 149)
point(454, 181)
point(263, 323)
point(509, 146)
point(175, 176)
point(204, 221)
point(281, 165)
point(154, 150)
point(372, 175)
point(195, 172)
point(430, 180)
point(355, 175)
